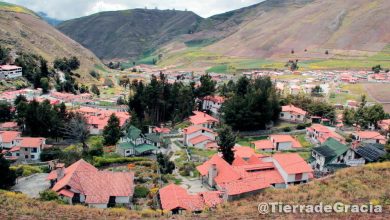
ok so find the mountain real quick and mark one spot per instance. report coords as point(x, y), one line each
point(336, 34)
point(50, 20)
point(128, 34)
point(23, 30)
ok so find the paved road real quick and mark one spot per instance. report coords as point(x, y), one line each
point(32, 185)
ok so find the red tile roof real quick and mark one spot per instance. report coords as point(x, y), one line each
point(212, 198)
point(215, 99)
point(263, 144)
point(202, 118)
point(10, 124)
point(29, 142)
point(195, 128)
point(98, 186)
point(9, 136)
point(176, 197)
point(293, 110)
point(244, 185)
point(225, 172)
point(161, 130)
point(282, 138)
point(199, 139)
point(292, 163)
point(243, 152)
point(370, 135)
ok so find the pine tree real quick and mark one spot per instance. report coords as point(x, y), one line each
point(112, 132)
point(7, 176)
point(226, 142)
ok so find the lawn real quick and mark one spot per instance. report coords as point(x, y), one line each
point(302, 140)
point(201, 152)
point(246, 141)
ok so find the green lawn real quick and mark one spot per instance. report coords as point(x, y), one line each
point(302, 140)
point(246, 141)
point(202, 153)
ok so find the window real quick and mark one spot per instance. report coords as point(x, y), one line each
point(281, 115)
point(26, 156)
point(34, 150)
point(25, 149)
point(32, 156)
point(299, 116)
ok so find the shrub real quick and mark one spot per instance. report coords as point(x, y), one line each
point(141, 192)
point(48, 195)
point(26, 170)
point(50, 153)
point(103, 161)
point(95, 74)
point(287, 129)
point(303, 126)
point(108, 82)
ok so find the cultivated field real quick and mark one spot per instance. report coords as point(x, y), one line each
point(379, 92)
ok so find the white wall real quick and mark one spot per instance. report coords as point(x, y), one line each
point(122, 199)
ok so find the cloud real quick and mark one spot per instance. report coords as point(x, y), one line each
point(68, 9)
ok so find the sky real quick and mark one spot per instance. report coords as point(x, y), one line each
point(68, 9)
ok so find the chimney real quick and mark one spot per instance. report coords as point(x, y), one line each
point(60, 169)
point(212, 174)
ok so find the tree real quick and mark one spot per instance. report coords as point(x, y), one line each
point(74, 63)
point(45, 85)
point(77, 129)
point(5, 112)
point(316, 91)
point(4, 55)
point(52, 153)
point(8, 176)
point(43, 68)
point(207, 86)
point(166, 166)
point(95, 90)
point(226, 142)
point(254, 105)
point(20, 98)
point(377, 68)
point(112, 132)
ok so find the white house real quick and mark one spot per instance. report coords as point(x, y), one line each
point(8, 139)
point(369, 137)
point(10, 71)
point(198, 136)
point(29, 148)
point(293, 168)
point(292, 114)
point(213, 103)
point(277, 143)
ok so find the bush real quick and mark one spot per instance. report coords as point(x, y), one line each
point(108, 82)
point(303, 126)
point(103, 161)
point(287, 129)
point(48, 195)
point(95, 74)
point(26, 170)
point(141, 192)
point(52, 153)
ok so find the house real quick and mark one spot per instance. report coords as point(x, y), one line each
point(98, 119)
point(28, 148)
point(250, 176)
point(198, 136)
point(293, 168)
point(203, 119)
point(369, 137)
point(176, 199)
point(134, 143)
point(277, 142)
point(367, 153)
point(8, 139)
point(292, 114)
point(10, 71)
point(83, 183)
point(330, 155)
point(9, 126)
point(384, 125)
point(319, 134)
point(212, 103)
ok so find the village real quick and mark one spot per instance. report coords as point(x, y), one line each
point(198, 163)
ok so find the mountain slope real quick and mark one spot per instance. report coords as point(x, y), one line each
point(22, 30)
point(275, 27)
point(128, 34)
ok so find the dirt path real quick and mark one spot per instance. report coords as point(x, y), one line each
point(32, 185)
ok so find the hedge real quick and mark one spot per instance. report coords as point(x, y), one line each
point(104, 161)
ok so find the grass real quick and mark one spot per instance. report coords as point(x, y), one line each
point(15, 8)
point(302, 140)
point(201, 152)
point(358, 185)
point(246, 141)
